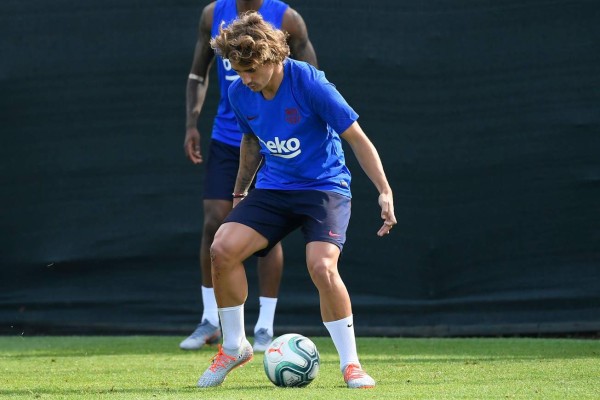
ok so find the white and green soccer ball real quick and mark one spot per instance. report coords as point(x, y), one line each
point(292, 360)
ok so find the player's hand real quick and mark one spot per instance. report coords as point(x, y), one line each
point(386, 202)
point(191, 145)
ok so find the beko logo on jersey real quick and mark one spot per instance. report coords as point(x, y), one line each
point(289, 148)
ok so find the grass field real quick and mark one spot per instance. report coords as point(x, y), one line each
point(153, 367)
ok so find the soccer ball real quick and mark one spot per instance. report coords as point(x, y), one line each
point(292, 360)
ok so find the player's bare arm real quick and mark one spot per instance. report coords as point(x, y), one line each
point(250, 160)
point(197, 84)
point(301, 47)
point(369, 160)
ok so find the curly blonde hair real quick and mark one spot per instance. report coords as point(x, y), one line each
point(250, 41)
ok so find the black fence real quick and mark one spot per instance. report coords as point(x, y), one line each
point(486, 115)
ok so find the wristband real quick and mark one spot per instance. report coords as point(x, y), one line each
point(196, 78)
point(239, 195)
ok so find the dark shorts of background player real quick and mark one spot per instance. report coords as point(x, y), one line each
point(220, 171)
point(322, 216)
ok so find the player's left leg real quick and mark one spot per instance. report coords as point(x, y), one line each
point(336, 310)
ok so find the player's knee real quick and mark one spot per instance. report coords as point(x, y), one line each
point(323, 273)
point(220, 256)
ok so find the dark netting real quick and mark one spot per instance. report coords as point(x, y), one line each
point(486, 115)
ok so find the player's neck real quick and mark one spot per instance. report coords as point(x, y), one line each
point(248, 5)
point(272, 87)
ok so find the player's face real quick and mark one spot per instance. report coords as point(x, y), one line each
point(255, 78)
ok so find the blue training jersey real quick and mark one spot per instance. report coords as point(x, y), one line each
point(297, 130)
point(225, 128)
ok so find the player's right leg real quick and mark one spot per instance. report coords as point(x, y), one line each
point(219, 178)
point(251, 226)
point(233, 244)
point(208, 331)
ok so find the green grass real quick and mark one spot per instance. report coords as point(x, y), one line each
point(153, 367)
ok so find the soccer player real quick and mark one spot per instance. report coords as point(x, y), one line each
point(223, 158)
point(290, 115)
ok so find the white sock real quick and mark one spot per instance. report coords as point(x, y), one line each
point(211, 312)
point(342, 334)
point(232, 327)
point(266, 315)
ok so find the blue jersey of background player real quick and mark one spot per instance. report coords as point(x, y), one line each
point(297, 130)
point(225, 128)
point(223, 156)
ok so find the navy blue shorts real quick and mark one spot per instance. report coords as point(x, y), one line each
point(220, 171)
point(323, 216)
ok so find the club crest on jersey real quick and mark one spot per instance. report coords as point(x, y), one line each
point(292, 115)
point(288, 148)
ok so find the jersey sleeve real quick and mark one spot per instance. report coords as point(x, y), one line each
point(327, 102)
point(242, 124)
